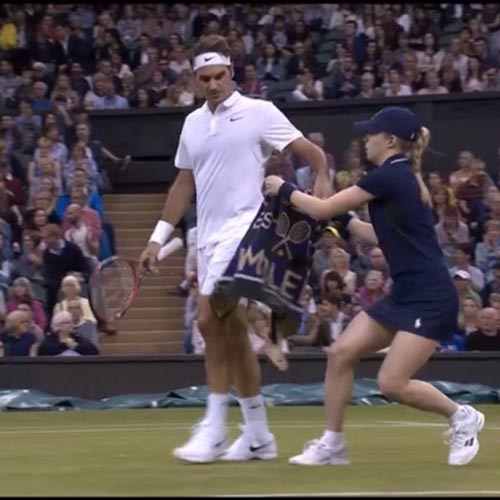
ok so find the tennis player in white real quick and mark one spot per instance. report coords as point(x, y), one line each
point(223, 147)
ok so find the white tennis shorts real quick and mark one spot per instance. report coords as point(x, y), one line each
point(213, 261)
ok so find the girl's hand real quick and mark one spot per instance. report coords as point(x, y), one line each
point(272, 185)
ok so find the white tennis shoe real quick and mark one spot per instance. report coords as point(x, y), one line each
point(206, 444)
point(245, 448)
point(318, 453)
point(462, 436)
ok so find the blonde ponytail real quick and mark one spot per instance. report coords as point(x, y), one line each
point(416, 152)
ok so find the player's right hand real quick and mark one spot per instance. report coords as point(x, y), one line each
point(149, 256)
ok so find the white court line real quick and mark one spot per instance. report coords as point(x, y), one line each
point(165, 425)
point(148, 428)
point(174, 427)
point(373, 494)
point(404, 423)
point(178, 426)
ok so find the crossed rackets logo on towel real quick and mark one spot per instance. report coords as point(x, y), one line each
point(298, 233)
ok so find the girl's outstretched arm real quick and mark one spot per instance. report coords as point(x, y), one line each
point(340, 203)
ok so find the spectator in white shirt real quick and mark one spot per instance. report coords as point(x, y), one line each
point(270, 66)
point(394, 86)
point(450, 232)
point(186, 85)
point(334, 65)
point(431, 56)
point(464, 254)
point(368, 90)
point(129, 26)
point(474, 81)
point(487, 251)
point(80, 234)
point(120, 69)
point(432, 84)
point(490, 78)
point(183, 25)
point(366, 23)
point(339, 15)
point(97, 90)
point(308, 89)
point(402, 18)
point(279, 37)
point(460, 59)
point(110, 100)
point(180, 61)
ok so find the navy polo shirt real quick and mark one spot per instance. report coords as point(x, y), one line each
point(14, 346)
point(405, 230)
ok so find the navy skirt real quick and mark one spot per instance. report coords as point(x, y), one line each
point(436, 319)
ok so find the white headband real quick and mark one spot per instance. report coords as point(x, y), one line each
point(210, 59)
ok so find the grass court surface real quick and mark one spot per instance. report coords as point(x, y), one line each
point(393, 450)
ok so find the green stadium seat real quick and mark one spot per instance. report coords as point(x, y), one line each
point(283, 96)
point(327, 47)
point(324, 58)
point(39, 293)
point(327, 81)
point(281, 87)
point(334, 34)
point(445, 40)
point(454, 27)
point(289, 84)
point(272, 86)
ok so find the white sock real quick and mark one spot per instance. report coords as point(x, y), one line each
point(216, 412)
point(333, 439)
point(255, 418)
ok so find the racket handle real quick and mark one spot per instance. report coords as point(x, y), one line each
point(172, 246)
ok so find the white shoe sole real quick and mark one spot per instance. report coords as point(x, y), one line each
point(475, 449)
point(248, 459)
point(339, 461)
point(194, 458)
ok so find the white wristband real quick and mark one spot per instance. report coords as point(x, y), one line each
point(162, 232)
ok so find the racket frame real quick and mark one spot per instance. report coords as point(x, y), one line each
point(138, 277)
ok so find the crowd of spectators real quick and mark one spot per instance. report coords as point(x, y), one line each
point(53, 231)
point(349, 275)
point(116, 56)
point(59, 61)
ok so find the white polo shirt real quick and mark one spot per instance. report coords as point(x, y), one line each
point(226, 151)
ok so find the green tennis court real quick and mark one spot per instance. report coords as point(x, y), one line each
point(127, 453)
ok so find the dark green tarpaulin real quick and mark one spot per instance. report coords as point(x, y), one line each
point(366, 392)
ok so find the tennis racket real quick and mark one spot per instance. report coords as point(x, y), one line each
point(114, 284)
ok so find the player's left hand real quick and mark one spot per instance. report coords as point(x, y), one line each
point(272, 184)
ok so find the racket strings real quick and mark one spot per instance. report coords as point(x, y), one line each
point(112, 288)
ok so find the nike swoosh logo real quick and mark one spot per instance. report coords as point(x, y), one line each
point(233, 119)
point(209, 58)
point(218, 444)
point(253, 449)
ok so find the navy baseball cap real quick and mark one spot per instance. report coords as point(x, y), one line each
point(394, 120)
